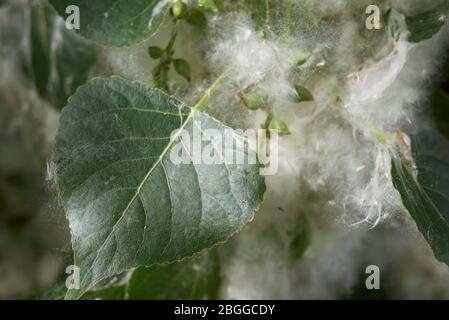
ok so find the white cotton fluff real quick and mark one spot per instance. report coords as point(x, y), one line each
point(388, 93)
point(332, 169)
point(252, 60)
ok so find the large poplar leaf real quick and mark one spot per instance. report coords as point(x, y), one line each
point(427, 196)
point(424, 25)
point(116, 22)
point(127, 203)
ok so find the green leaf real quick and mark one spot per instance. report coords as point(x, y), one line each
point(127, 203)
point(260, 14)
point(440, 110)
point(74, 61)
point(117, 23)
point(69, 62)
point(208, 5)
point(195, 279)
point(197, 18)
point(302, 94)
point(192, 279)
point(182, 68)
point(427, 197)
point(280, 126)
point(254, 101)
point(155, 52)
point(423, 26)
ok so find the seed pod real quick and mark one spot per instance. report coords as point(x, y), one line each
point(155, 52)
point(302, 94)
point(254, 101)
point(280, 127)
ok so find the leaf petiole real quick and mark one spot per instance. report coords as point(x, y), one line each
point(212, 88)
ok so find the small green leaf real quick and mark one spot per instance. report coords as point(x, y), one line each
point(179, 9)
point(182, 68)
point(254, 101)
point(208, 5)
point(423, 26)
point(302, 94)
point(116, 23)
point(155, 52)
point(427, 196)
point(280, 126)
point(197, 18)
point(128, 204)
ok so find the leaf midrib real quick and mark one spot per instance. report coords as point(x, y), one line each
point(138, 190)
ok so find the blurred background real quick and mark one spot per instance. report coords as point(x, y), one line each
point(41, 64)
